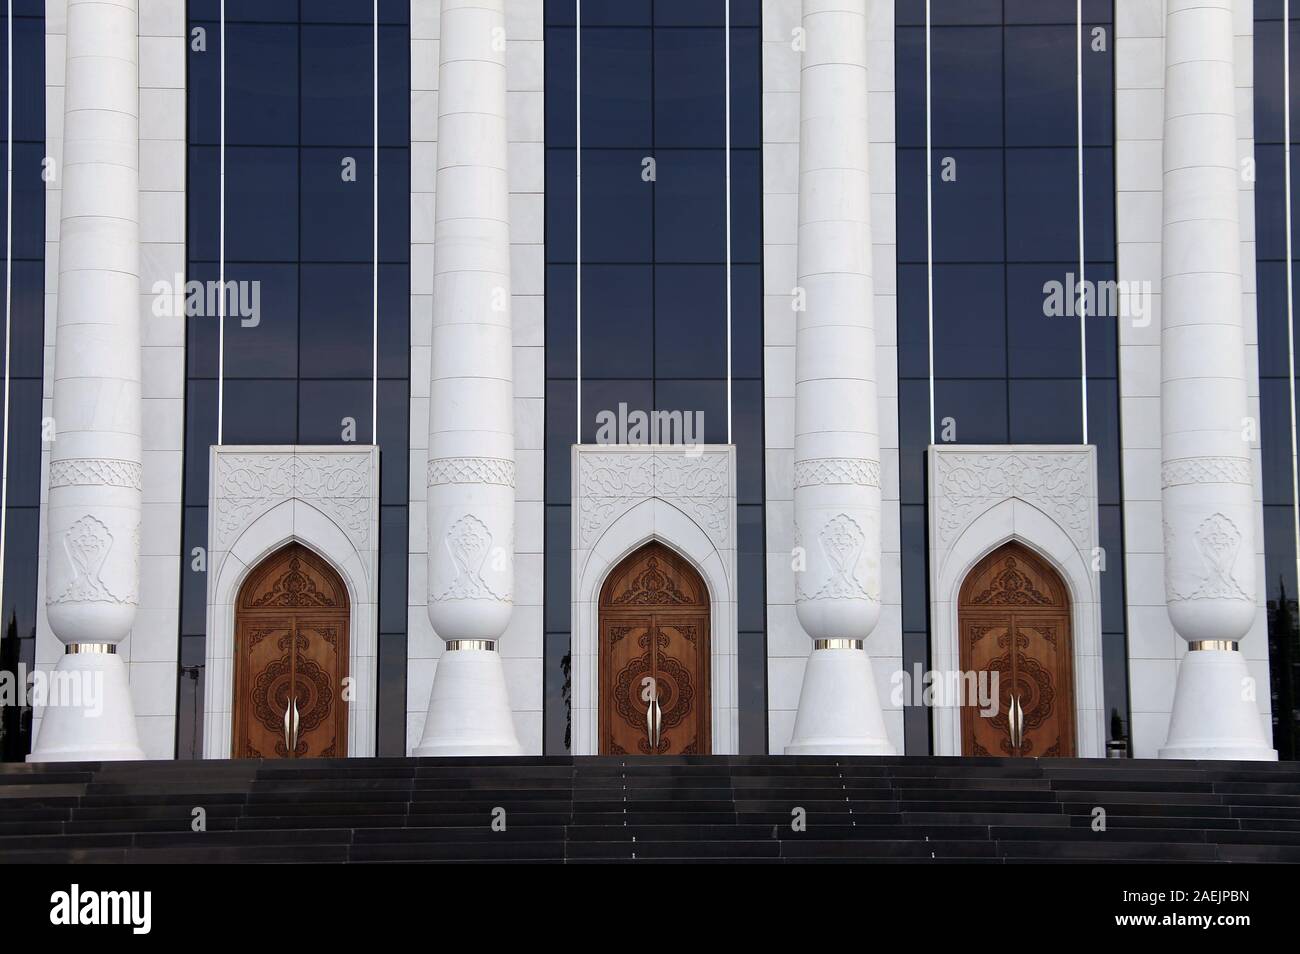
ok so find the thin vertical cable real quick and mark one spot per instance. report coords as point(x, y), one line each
point(727, 151)
point(9, 282)
point(929, 221)
point(221, 245)
point(1290, 290)
point(1083, 300)
point(577, 43)
point(374, 244)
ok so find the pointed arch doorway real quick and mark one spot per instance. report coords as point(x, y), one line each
point(654, 657)
point(291, 657)
point(1014, 621)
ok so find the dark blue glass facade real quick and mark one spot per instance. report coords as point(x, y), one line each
point(1004, 111)
point(298, 104)
point(1275, 382)
point(26, 357)
point(654, 273)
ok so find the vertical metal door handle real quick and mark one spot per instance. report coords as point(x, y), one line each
point(649, 724)
point(287, 746)
point(1016, 718)
point(659, 720)
point(295, 723)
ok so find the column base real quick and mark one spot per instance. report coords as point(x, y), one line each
point(1214, 716)
point(88, 715)
point(839, 709)
point(469, 708)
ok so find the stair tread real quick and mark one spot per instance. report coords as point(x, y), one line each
point(911, 810)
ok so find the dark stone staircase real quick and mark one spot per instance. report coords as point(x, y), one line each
point(906, 809)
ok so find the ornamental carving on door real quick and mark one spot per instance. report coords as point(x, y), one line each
point(654, 657)
point(291, 655)
point(1014, 622)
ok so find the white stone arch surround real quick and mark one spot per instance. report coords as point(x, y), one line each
point(285, 503)
point(609, 524)
point(1044, 498)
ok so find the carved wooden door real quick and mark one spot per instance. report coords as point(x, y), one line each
point(291, 653)
point(1014, 628)
point(654, 657)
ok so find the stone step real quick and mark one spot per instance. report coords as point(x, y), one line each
point(906, 810)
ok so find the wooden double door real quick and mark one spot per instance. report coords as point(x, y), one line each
point(654, 657)
point(1014, 621)
point(291, 652)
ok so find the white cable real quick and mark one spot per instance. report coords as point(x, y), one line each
point(929, 221)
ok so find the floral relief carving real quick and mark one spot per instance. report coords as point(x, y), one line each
point(247, 485)
point(616, 475)
point(1012, 586)
point(843, 542)
point(1059, 484)
point(87, 544)
point(697, 483)
point(96, 472)
point(471, 470)
point(837, 470)
point(653, 587)
point(684, 475)
point(295, 587)
point(469, 541)
point(1217, 541)
point(1206, 470)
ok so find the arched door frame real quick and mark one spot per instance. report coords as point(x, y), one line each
point(701, 607)
point(652, 519)
point(339, 612)
point(1038, 566)
point(287, 522)
point(1017, 519)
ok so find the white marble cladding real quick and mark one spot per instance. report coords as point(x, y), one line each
point(788, 645)
point(606, 485)
point(1154, 649)
point(623, 497)
point(261, 498)
point(150, 652)
point(248, 481)
point(982, 496)
point(521, 646)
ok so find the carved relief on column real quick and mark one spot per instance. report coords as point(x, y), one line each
point(1207, 490)
point(478, 567)
point(1207, 494)
point(837, 513)
point(89, 566)
point(1206, 559)
point(837, 446)
point(94, 509)
point(470, 510)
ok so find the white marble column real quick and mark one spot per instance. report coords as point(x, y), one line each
point(1206, 473)
point(92, 577)
point(837, 445)
point(471, 468)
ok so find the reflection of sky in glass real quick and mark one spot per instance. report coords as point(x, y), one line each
point(1004, 116)
point(298, 109)
point(653, 272)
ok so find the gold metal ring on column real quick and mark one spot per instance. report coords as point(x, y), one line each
point(486, 645)
point(837, 643)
